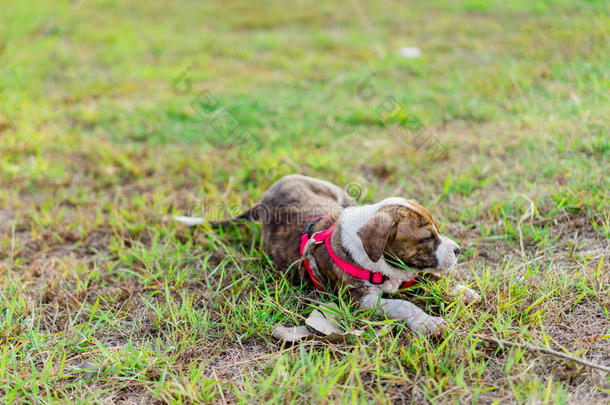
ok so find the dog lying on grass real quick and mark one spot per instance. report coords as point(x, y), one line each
point(374, 249)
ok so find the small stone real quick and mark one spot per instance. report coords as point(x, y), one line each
point(90, 369)
point(410, 52)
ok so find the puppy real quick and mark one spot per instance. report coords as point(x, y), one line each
point(315, 227)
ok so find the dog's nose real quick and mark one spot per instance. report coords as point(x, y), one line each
point(456, 251)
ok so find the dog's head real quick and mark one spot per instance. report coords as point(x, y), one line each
point(407, 232)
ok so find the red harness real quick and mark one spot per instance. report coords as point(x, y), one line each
point(324, 236)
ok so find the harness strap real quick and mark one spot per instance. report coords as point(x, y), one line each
point(324, 236)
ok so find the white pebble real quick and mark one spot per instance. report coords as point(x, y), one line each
point(410, 52)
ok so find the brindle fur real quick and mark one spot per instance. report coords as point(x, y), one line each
point(287, 207)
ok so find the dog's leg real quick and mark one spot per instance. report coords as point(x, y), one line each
point(468, 295)
point(417, 320)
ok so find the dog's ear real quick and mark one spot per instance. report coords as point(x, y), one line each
point(374, 234)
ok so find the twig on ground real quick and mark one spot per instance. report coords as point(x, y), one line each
point(541, 349)
point(222, 395)
point(529, 214)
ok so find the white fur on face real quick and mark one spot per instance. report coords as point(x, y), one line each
point(445, 253)
point(353, 218)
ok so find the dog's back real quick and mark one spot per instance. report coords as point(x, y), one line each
point(287, 207)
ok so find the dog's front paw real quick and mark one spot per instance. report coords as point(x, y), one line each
point(430, 325)
point(468, 296)
point(471, 297)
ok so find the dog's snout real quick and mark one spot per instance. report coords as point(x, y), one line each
point(447, 253)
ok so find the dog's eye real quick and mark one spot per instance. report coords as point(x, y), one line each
point(428, 239)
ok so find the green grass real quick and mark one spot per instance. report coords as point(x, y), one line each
point(104, 135)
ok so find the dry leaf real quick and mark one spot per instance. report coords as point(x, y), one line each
point(324, 323)
point(291, 334)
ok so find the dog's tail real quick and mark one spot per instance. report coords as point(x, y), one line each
point(249, 215)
